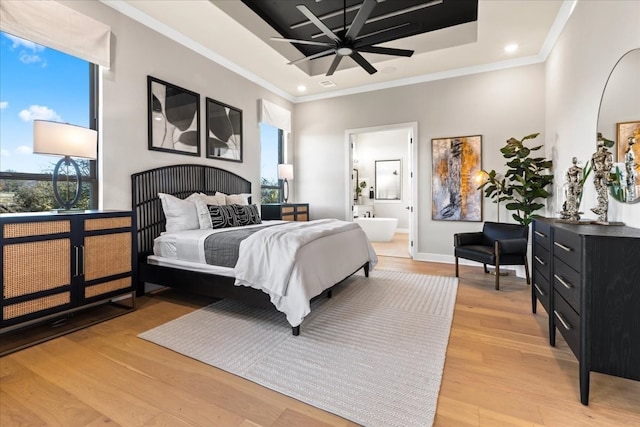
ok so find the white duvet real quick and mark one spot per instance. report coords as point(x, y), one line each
point(292, 262)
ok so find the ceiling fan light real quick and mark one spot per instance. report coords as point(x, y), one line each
point(344, 51)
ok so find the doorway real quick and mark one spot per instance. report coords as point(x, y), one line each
point(377, 156)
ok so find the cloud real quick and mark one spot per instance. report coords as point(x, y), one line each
point(18, 42)
point(3, 105)
point(39, 112)
point(23, 149)
point(27, 58)
point(4, 153)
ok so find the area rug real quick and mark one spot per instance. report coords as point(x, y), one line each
point(373, 354)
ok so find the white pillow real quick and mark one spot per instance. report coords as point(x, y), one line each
point(201, 201)
point(236, 199)
point(180, 214)
point(217, 199)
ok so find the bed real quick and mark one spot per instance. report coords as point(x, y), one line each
point(318, 265)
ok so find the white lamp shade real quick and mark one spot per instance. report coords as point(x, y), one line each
point(285, 171)
point(64, 139)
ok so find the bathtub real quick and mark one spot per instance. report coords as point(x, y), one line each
point(378, 229)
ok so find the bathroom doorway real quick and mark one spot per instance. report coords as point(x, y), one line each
point(382, 176)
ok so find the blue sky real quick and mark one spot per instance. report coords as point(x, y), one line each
point(37, 83)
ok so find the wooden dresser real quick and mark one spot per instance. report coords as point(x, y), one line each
point(55, 264)
point(587, 278)
point(286, 211)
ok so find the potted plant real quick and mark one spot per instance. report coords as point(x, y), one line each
point(524, 183)
point(359, 189)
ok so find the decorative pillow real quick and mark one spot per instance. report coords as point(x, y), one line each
point(180, 214)
point(235, 199)
point(223, 216)
point(201, 201)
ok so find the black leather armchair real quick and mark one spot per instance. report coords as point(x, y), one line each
point(497, 244)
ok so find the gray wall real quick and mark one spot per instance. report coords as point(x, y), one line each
point(496, 105)
point(138, 51)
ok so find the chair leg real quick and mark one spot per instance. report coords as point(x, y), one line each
point(526, 270)
point(497, 252)
point(456, 266)
point(486, 270)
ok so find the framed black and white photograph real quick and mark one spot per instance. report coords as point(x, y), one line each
point(174, 118)
point(224, 131)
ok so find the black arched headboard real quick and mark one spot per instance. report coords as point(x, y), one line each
point(180, 181)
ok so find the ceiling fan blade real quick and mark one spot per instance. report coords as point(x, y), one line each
point(361, 18)
point(317, 22)
point(385, 51)
point(363, 63)
point(310, 57)
point(280, 39)
point(334, 65)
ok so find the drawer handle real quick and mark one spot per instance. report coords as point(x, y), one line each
point(562, 282)
point(83, 260)
point(77, 260)
point(540, 234)
point(539, 290)
point(561, 246)
point(566, 324)
point(541, 262)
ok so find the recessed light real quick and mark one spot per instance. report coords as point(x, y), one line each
point(302, 88)
point(510, 48)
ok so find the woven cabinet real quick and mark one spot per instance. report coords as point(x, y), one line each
point(56, 263)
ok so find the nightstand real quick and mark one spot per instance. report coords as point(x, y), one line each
point(286, 211)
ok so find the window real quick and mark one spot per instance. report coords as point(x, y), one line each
point(41, 83)
point(272, 143)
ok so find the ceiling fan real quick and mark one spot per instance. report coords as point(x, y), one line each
point(347, 42)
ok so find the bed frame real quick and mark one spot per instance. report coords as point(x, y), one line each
point(181, 181)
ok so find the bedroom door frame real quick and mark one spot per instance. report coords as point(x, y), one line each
point(412, 145)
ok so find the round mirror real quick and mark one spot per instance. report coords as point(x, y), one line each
point(619, 120)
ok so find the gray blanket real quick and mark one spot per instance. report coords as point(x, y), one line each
point(222, 248)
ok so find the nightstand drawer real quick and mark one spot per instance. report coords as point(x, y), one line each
point(568, 323)
point(567, 247)
point(288, 210)
point(567, 282)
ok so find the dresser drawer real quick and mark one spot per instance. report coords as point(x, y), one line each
point(568, 247)
point(542, 234)
point(541, 260)
point(542, 290)
point(567, 282)
point(568, 323)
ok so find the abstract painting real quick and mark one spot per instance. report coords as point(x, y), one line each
point(174, 118)
point(628, 130)
point(456, 161)
point(224, 131)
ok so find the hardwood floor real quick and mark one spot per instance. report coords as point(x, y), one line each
point(499, 371)
point(397, 247)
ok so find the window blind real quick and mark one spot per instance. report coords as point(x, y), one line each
point(275, 115)
point(57, 26)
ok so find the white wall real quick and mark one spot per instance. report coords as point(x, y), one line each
point(138, 51)
point(596, 36)
point(496, 105)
